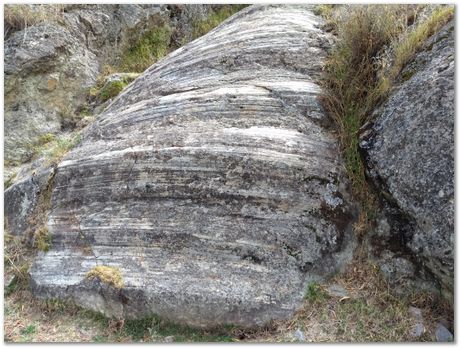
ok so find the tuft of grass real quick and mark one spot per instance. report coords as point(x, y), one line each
point(411, 43)
point(355, 80)
point(201, 27)
point(107, 89)
point(54, 148)
point(107, 274)
point(9, 181)
point(60, 147)
point(154, 328)
point(315, 293)
point(28, 330)
point(46, 138)
point(42, 239)
point(112, 89)
point(149, 48)
point(324, 10)
point(19, 17)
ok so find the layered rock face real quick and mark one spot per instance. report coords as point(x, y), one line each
point(210, 183)
point(50, 67)
point(410, 155)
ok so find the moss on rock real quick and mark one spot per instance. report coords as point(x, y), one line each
point(107, 274)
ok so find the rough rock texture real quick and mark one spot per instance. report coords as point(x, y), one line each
point(410, 155)
point(47, 74)
point(49, 67)
point(22, 198)
point(209, 182)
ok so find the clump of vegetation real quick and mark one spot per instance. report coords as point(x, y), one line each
point(356, 82)
point(149, 48)
point(18, 17)
point(107, 274)
point(15, 255)
point(42, 239)
point(411, 43)
point(55, 148)
point(106, 89)
point(9, 181)
point(315, 293)
point(201, 27)
point(46, 138)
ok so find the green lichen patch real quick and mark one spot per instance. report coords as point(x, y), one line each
point(107, 274)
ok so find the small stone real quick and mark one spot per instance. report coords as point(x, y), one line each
point(443, 334)
point(168, 339)
point(299, 335)
point(337, 290)
point(418, 330)
point(416, 313)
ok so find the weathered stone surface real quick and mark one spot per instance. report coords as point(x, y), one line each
point(410, 156)
point(49, 67)
point(47, 74)
point(209, 182)
point(21, 200)
point(443, 334)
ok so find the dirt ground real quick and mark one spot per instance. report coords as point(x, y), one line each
point(364, 312)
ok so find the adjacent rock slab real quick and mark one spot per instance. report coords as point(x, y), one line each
point(410, 156)
point(22, 198)
point(209, 182)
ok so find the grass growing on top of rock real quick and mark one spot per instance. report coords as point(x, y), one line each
point(20, 16)
point(357, 76)
point(201, 27)
point(107, 274)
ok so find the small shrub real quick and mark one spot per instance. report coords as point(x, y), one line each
point(107, 274)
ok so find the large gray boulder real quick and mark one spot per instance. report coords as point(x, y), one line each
point(209, 183)
point(410, 156)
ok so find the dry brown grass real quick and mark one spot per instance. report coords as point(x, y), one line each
point(355, 79)
point(370, 313)
point(18, 17)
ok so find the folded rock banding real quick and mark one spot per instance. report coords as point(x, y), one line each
point(210, 183)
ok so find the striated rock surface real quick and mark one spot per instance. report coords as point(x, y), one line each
point(209, 183)
point(50, 66)
point(410, 156)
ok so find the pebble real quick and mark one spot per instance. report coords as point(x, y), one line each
point(443, 334)
point(337, 290)
point(299, 335)
point(418, 330)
